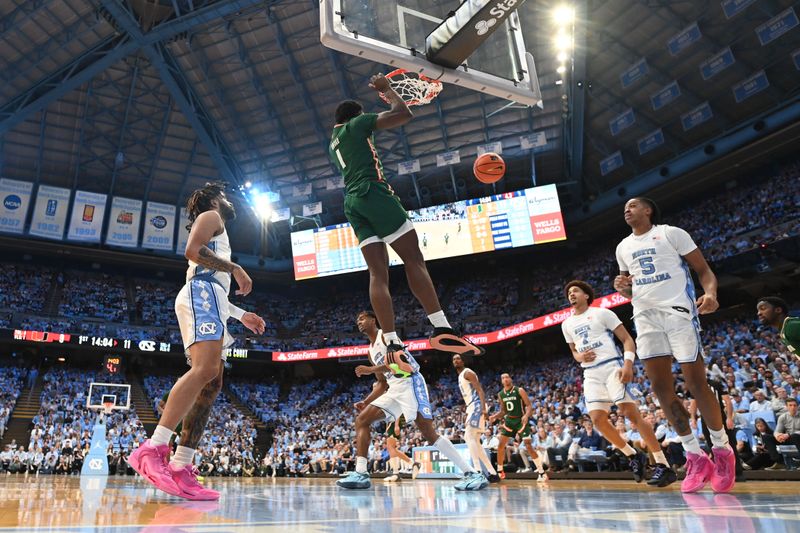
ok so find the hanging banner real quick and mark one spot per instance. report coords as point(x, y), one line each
point(734, 7)
point(533, 140)
point(665, 96)
point(334, 183)
point(716, 64)
point(50, 212)
point(752, 85)
point(124, 221)
point(86, 223)
point(696, 116)
point(623, 121)
point(496, 147)
point(635, 72)
point(16, 197)
point(159, 226)
point(281, 214)
point(448, 158)
point(650, 141)
point(684, 39)
point(408, 167)
point(611, 163)
point(777, 26)
point(304, 189)
point(312, 209)
point(183, 233)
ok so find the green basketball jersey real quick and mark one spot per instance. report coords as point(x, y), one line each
point(352, 150)
point(790, 334)
point(512, 401)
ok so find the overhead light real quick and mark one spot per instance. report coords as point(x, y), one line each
point(61, 359)
point(561, 69)
point(248, 184)
point(562, 57)
point(564, 15)
point(263, 206)
point(563, 42)
point(559, 82)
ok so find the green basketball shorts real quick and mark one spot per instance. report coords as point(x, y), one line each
point(390, 432)
point(378, 216)
point(513, 426)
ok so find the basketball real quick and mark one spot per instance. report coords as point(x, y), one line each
point(489, 168)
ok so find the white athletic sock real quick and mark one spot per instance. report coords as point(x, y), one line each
point(660, 458)
point(478, 454)
point(539, 464)
point(691, 444)
point(391, 337)
point(161, 435)
point(628, 450)
point(361, 465)
point(183, 456)
point(394, 464)
point(719, 438)
point(438, 320)
point(446, 447)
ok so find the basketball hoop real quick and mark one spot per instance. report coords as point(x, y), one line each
point(413, 88)
point(108, 407)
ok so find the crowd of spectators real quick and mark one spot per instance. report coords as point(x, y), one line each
point(24, 289)
point(95, 295)
point(11, 383)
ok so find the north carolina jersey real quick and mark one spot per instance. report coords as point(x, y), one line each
point(593, 330)
point(377, 355)
point(352, 150)
point(469, 392)
point(220, 245)
point(661, 278)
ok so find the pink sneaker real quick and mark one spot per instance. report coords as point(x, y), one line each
point(699, 469)
point(191, 489)
point(151, 463)
point(724, 476)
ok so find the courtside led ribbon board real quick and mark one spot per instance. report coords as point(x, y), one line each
point(124, 221)
point(420, 345)
point(16, 197)
point(50, 212)
point(159, 226)
point(86, 223)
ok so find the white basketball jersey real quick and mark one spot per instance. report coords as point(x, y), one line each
point(661, 278)
point(593, 330)
point(469, 392)
point(220, 245)
point(377, 355)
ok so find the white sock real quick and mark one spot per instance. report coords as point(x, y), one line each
point(628, 450)
point(691, 444)
point(394, 464)
point(539, 464)
point(446, 447)
point(438, 320)
point(361, 465)
point(183, 456)
point(477, 452)
point(719, 438)
point(161, 436)
point(391, 337)
point(660, 458)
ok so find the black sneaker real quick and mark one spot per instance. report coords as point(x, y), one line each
point(447, 340)
point(636, 464)
point(494, 478)
point(662, 476)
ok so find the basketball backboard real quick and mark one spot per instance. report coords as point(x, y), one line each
point(101, 393)
point(393, 32)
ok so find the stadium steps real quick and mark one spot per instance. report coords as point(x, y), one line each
point(130, 292)
point(263, 433)
point(26, 408)
point(51, 308)
point(143, 405)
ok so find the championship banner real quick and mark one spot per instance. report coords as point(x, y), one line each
point(50, 212)
point(312, 209)
point(281, 214)
point(86, 223)
point(523, 328)
point(183, 233)
point(448, 158)
point(496, 147)
point(304, 189)
point(334, 183)
point(124, 221)
point(159, 226)
point(16, 197)
point(547, 222)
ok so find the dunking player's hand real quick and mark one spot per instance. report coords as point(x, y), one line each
point(379, 83)
point(254, 323)
point(242, 280)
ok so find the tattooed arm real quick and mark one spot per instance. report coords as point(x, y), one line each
point(203, 230)
point(194, 423)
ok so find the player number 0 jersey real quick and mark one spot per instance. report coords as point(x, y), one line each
point(661, 278)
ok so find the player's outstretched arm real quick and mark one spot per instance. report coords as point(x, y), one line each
point(251, 321)
point(501, 413)
point(399, 114)
point(629, 346)
point(707, 303)
point(378, 389)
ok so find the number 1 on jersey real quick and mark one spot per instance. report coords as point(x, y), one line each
point(339, 157)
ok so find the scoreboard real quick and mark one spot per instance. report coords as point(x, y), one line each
point(509, 220)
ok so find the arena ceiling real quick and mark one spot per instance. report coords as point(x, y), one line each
point(148, 99)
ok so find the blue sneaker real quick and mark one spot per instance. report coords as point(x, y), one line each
point(354, 480)
point(472, 481)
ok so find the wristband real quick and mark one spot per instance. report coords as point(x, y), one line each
point(236, 312)
point(630, 356)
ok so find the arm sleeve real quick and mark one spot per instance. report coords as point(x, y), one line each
point(236, 312)
point(680, 240)
point(623, 266)
point(364, 124)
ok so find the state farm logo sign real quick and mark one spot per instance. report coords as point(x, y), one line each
point(497, 12)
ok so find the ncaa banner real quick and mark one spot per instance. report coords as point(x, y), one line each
point(159, 226)
point(16, 197)
point(304, 189)
point(124, 221)
point(183, 233)
point(312, 209)
point(281, 214)
point(86, 223)
point(50, 212)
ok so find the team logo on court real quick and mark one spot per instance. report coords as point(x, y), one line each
point(207, 328)
point(159, 222)
point(483, 25)
point(12, 202)
point(96, 464)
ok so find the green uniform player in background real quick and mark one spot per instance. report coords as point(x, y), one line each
point(774, 311)
point(515, 412)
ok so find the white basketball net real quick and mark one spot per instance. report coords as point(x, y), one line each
point(414, 89)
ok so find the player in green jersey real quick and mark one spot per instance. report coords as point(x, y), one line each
point(515, 410)
point(774, 311)
point(378, 218)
